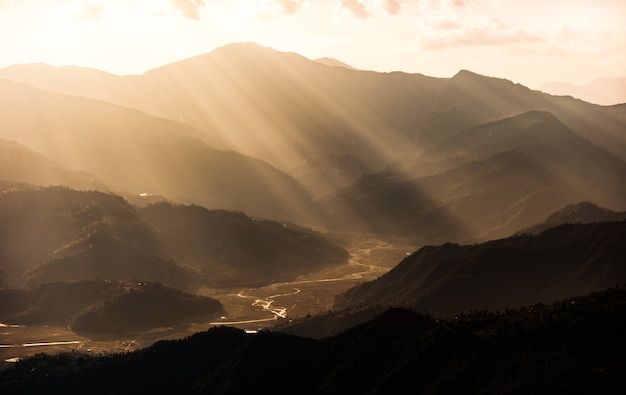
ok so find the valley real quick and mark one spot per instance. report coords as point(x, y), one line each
point(248, 208)
point(249, 309)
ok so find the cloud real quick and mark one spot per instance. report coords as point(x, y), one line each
point(355, 8)
point(290, 7)
point(189, 7)
point(92, 10)
point(393, 7)
point(451, 34)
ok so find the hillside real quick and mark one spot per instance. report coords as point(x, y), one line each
point(579, 342)
point(328, 126)
point(133, 152)
point(230, 248)
point(472, 202)
point(583, 212)
point(484, 182)
point(295, 102)
point(20, 164)
point(446, 279)
point(105, 309)
point(58, 234)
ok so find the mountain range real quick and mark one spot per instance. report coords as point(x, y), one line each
point(279, 136)
point(121, 196)
point(57, 234)
point(569, 259)
point(105, 309)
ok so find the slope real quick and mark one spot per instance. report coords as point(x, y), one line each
point(569, 347)
point(133, 152)
point(230, 248)
point(57, 234)
point(583, 212)
point(475, 201)
point(102, 308)
point(523, 270)
point(20, 164)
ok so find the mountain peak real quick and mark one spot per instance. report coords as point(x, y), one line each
point(334, 63)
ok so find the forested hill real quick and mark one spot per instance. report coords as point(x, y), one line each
point(573, 346)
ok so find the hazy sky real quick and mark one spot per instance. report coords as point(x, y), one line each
point(529, 41)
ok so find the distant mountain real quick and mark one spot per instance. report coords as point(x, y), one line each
point(100, 308)
point(594, 172)
point(141, 307)
point(484, 182)
point(334, 63)
point(230, 248)
point(578, 341)
point(522, 270)
point(58, 234)
point(20, 164)
point(326, 126)
point(583, 212)
point(476, 201)
point(136, 153)
point(604, 91)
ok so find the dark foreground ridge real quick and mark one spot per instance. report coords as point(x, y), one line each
point(575, 345)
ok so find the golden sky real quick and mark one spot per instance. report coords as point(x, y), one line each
point(530, 41)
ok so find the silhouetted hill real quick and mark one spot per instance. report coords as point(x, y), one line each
point(58, 234)
point(475, 201)
point(484, 182)
point(594, 172)
point(137, 153)
point(570, 259)
point(232, 248)
point(103, 308)
point(281, 107)
point(20, 164)
point(578, 342)
point(334, 63)
point(143, 307)
point(583, 212)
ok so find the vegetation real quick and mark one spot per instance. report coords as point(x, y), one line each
point(105, 309)
point(572, 346)
point(569, 259)
point(58, 234)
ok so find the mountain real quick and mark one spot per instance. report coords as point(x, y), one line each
point(475, 201)
point(244, 95)
point(142, 307)
point(20, 164)
point(469, 99)
point(275, 106)
point(570, 259)
point(231, 248)
point(136, 153)
point(596, 173)
point(484, 182)
point(583, 212)
point(328, 126)
point(102, 308)
point(604, 91)
point(334, 63)
point(57, 234)
point(579, 341)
